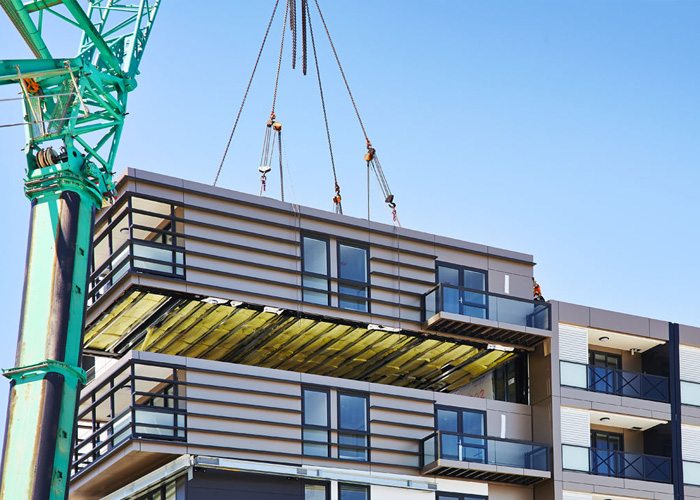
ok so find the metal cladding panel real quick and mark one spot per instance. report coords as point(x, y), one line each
point(573, 343)
point(691, 442)
point(690, 363)
point(575, 427)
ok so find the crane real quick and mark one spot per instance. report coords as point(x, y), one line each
point(74, 110)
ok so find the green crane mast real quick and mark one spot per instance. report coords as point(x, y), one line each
point(74, 112)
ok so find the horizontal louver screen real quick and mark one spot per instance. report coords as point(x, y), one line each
point(575, 427)
point(690, 434)
point(573, 343)
point(690, 363)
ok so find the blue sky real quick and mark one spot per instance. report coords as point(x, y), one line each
point(568, 129)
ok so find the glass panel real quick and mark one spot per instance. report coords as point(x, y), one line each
point(315, 492)
point(690, 393)
point(315, 442)
point(691, 473)
point(475, 280)
point(315, 255)
point(573, 374)
point(317, 283)
point(448, 276)
point(167, 420)
point(575, 458)
point(352, 263)
point(447, 420)
point(448, 497)
point(352, 446)
point(353, 492)
point(352, 412)
point(315, 408)
point(357, 300)
point(473, 423)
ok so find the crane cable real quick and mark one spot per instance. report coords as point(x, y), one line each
point(245, 96)
point(371, 156)
point(272, 125)
point(337, 198)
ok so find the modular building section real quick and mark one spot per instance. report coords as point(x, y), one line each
point(242, 346)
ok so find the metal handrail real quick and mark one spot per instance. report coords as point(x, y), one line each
point(536, 447)
point(617, 463)
point(439, 301)
point(628, 378)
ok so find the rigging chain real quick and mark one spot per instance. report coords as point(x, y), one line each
point(245, 96)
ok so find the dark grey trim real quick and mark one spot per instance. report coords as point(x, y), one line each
point(676, 418)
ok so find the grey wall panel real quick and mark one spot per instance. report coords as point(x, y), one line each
point(210, 485)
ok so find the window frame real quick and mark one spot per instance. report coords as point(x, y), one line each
point(460, 426)
point(341, 281)
point(339, 430)
point(327, 276)
point(305, 426)
point(305, 482)
point(366, 487)
point(462, 288)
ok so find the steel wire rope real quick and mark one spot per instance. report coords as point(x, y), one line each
point(245, 96)
point(339, 206)
point(337, 59)
point(279, 63)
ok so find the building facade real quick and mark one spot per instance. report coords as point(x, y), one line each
point(242, 347)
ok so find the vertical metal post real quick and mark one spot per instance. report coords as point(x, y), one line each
point(46, 383)
point(675, 398)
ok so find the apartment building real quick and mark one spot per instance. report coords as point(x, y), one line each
point(242, 347)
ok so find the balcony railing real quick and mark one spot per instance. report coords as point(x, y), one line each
point(129, 406)
point(617, 382)
point(691, 472)
point(486, 305)
point(612, 463)
point(137, 256)
point(472, 449)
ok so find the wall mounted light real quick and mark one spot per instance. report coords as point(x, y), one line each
point(604, 419)
point(604, 339)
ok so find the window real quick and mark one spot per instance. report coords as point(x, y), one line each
point(353, 427)
point(606, 459)
point(316, 416)
point(315, 269)
point(457, 439)
point(602, 377)
point(353, 492)
point(315, 491)
point(510, 381)
point(460, 291)
point(352, 277)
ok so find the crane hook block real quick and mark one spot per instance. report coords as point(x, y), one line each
point(277, 126)
point(264, 169)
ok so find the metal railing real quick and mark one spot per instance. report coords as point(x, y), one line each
point(137, 240)
point(486, 305)
point(484, 450)
point(128, 406)
point(613, 381)
point(613, 463)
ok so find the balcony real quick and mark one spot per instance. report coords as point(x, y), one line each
point(616, 382)
point(612, 463)
point(486, 317)
point(484, 458)
point(138, 403)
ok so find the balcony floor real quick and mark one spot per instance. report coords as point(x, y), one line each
point(485, 472)
point(484, 330)
point(154, 321)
